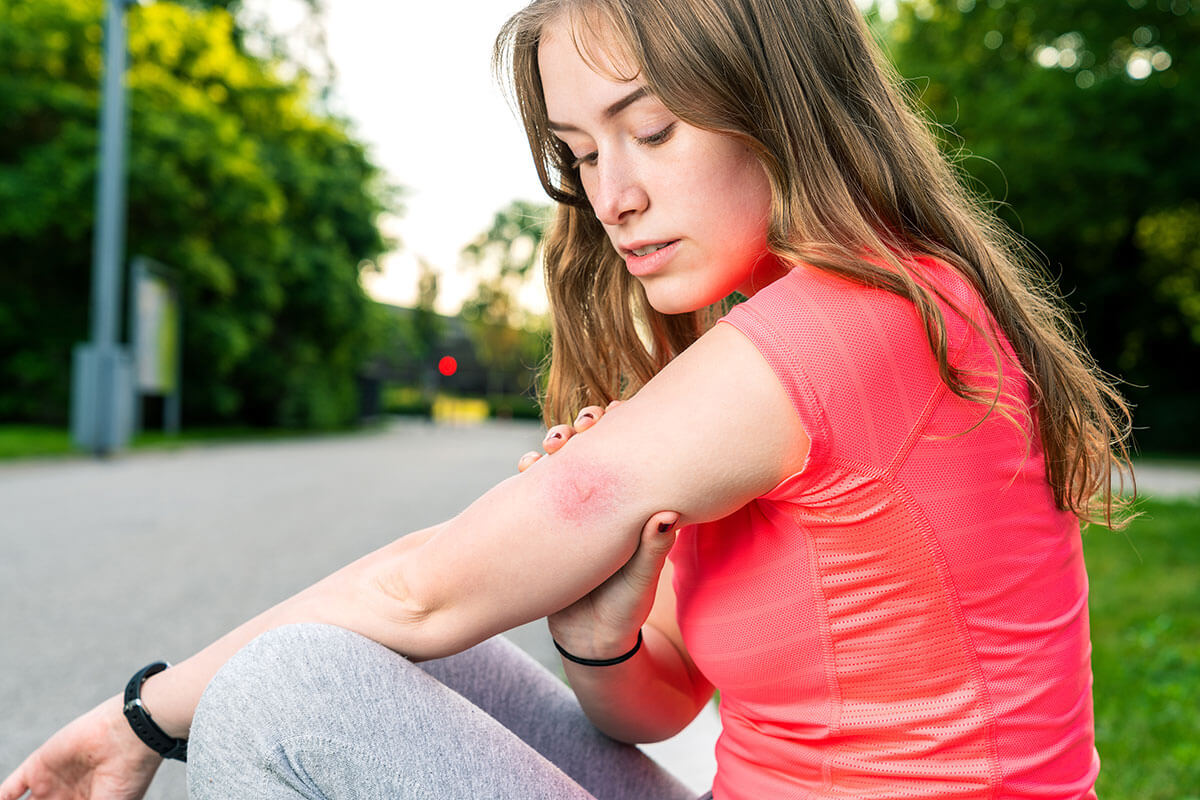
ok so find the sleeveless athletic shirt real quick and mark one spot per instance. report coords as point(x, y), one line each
point(906, 617)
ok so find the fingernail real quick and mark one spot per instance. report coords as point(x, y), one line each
point(585, 415)
point(663, 527)
point(553, 436)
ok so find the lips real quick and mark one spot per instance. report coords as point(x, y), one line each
point(655, 255)
point(645, 251)
point(645, 248)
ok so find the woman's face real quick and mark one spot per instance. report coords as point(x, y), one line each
point(687, 209)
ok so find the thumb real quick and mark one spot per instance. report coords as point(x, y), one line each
point(658, 536)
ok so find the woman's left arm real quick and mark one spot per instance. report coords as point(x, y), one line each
point(712, 431)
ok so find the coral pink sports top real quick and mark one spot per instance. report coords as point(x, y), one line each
point(907, 616)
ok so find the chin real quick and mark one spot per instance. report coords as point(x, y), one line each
point(675, 297)
point(673, 305)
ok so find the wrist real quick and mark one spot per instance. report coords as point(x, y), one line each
point(134, 749)
point(143, 724)
point(599, 657)
point(164, 696)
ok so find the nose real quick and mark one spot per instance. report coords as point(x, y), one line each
point(617, 191)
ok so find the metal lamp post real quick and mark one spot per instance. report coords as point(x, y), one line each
point(102, 372)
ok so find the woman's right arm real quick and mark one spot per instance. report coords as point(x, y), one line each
point(172, 695)
point(98, 755)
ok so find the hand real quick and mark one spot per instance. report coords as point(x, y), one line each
point(605, 622)
point(557, 436)
point(95, 757)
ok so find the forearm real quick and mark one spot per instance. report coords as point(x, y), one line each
point(526, 548)
point(648, 698)
point(343, 599)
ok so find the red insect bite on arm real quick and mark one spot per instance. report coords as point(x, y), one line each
point(582, 492)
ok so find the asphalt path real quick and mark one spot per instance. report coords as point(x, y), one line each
point(107, 565)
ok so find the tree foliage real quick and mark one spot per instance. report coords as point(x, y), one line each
point(506, 339)
point(512, 244)
point(265, 208)
point(1079, 118)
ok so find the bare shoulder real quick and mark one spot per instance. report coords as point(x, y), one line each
point(711, 432)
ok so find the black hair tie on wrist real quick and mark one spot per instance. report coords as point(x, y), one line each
point(599, 662)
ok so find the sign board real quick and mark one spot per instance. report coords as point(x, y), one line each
point(156, 346)
point(154, 336)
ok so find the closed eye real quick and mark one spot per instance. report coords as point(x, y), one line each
point(657, 138)
point(590, 158)
point(651, 140)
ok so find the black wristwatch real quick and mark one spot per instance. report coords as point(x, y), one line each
point(139, 718)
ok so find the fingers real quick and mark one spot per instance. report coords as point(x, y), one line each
point(525, 463)
point(587, 417)
point(558, 435)
point(14, 786)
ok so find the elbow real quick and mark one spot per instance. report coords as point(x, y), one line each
point(420, 619)
point(396, 599)
point(402, 614)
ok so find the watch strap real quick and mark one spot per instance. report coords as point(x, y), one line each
point(139, 718)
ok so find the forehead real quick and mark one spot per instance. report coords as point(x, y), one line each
point(584, 68)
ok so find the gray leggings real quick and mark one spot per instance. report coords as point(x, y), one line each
point(315, 711)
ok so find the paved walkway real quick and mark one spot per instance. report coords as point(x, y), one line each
point(1168, 480)
point(107, 565)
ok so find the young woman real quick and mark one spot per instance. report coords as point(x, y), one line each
point(876, 465)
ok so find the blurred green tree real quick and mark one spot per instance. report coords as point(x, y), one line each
point(1079, 118)
point(508, 340)
point(265, 207)
point(511, 246)
point(426, 328)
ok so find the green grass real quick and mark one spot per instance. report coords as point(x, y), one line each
point(21, 441)
point(1145, 614)
point(35, 441)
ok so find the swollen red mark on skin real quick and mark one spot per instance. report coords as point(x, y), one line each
point(580, 492)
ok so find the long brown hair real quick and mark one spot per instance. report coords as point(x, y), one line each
point(856, 178)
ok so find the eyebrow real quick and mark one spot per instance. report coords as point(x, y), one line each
point(610, 112)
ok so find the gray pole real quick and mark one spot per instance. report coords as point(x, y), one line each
point(108, 244)
point(101, 375)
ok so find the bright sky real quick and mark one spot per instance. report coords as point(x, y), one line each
point(415, 77)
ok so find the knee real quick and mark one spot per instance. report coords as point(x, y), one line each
point(283, 683)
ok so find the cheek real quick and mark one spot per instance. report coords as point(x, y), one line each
point(755, 189)
point(587, 183)
point(737, 195)
point(741, 216)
